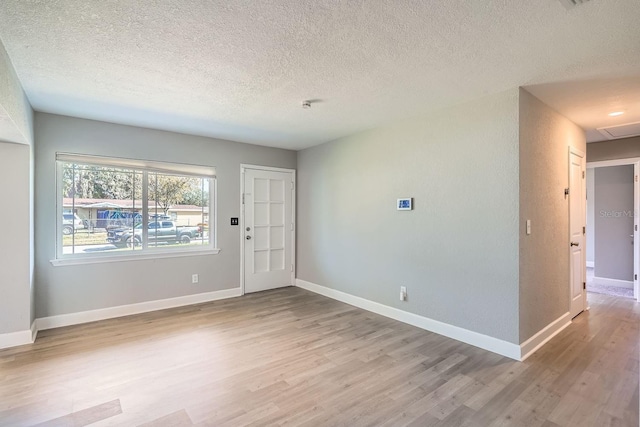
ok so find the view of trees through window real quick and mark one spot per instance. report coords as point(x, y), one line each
point(103, 209)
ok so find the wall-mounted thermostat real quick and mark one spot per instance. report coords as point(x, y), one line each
point(405, 204)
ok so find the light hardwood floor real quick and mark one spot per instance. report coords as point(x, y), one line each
point(290, 357)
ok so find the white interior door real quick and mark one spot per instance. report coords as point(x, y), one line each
point(268, 228)
point(577, 222)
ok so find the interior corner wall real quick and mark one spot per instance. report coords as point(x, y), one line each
point(625, 148)
point(76, 288)
point(456, 251)
point(545, 137)
point(16, 172)
point(15, 262)
point(32, 243)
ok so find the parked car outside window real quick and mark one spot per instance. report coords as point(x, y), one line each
point(71, 223)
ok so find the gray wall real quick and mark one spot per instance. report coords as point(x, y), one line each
point(16, 267)
point(612, 150)
point(15, 292)
point(545, 137)
point(456, 252)
point(591, 216)
point(614, 222)
point(69, 289)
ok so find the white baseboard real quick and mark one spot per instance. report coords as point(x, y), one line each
point(14, 339)
point(58, 321)
point(614, 282)
point(538, 340)
point(591, 264)
point(476, 339)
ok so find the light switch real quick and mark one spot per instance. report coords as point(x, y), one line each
point(528, 226)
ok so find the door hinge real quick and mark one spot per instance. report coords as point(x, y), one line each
point(584, 285)
point(293, 186)
point(243, 198)
point(635, 277)
point(582, 174)
point(584, 230)
point(636, 178)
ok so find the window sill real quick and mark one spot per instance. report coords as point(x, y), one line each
point(104, 259)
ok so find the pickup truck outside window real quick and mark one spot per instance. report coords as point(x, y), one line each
point(167, 232)
point(124, 209)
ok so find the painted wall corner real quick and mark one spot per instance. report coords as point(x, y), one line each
point(544, 140)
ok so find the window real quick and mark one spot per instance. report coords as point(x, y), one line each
point(113, 208)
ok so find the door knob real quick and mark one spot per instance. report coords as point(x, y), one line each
point(248, 237)
point(575, 244)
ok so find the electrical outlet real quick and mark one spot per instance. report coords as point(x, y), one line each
point(403, 293)
point(194, 278)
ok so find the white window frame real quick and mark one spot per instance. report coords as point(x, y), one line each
point(145, 166)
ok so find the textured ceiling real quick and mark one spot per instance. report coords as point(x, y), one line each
point(240, 69)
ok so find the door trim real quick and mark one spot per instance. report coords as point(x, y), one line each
point(576, 151)
point(635, 161)
point(243, 167)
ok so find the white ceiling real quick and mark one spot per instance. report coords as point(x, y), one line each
point(239, 69)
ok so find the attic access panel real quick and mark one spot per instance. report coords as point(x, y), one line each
point(621, 131)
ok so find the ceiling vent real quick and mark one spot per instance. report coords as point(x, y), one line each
point(570, 4)
point(621, 131)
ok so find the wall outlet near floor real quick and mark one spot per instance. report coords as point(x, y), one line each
point(403, 293)
point(194, 278)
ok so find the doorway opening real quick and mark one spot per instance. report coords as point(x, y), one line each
point(613, 250)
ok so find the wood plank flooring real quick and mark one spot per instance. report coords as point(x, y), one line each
point(290, 357)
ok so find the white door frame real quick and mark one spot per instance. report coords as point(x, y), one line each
point(243, 167)
point(635, 161)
